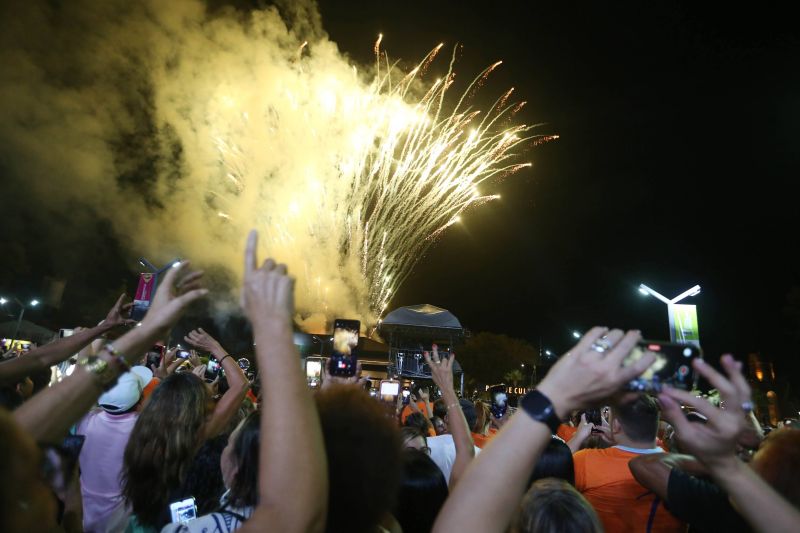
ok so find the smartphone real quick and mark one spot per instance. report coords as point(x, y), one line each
point(673, 366)
point(154, 355)
point(183, 354)
point(212, 369)
point(389, 390)
point(65, 332)
point(345, 347)
point(406, 395)
point(183, 511)
point(498, 400)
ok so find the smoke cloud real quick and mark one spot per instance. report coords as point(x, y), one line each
point(184, 126)
point(128, 107)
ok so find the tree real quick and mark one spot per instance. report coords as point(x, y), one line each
point(515, 376)
point(488, 357)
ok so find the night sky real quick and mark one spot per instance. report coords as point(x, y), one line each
point(676, 165)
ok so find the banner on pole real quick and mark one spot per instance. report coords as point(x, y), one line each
point(144, 293)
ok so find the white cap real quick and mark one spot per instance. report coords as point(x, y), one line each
point(127, 392)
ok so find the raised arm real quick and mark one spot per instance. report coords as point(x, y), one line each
point(442, 374)
point(229, 404)
point(652, 470)
point(583, 432)
point(51, 354)
point(714, 444)
point(49, 415)
point(293, 469)
point(488, 494)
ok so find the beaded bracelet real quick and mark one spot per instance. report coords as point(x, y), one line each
point(118, 357)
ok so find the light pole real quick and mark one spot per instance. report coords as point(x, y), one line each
point(22, 307)
point(647, 291)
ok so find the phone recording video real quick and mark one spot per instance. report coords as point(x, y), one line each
point(672, 366)
point(154, 355)
point(345, 347)
point(406, 395)
point(183, 511)
point(498, 400)
point(183, 354)
point(213, 369)
point(389, 390)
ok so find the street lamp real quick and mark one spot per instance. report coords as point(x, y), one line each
point(576, 334)
point(22, 307)
point(647, 291)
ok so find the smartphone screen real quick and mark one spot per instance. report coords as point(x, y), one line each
point(183, 354)
point(389, 390)
point(345, 347)
point(499, 400)
point(406, 396)
point(212, 369)
point(672, 366)
point(183, 511)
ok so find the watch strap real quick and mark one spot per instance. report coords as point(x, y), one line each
point(540, 408)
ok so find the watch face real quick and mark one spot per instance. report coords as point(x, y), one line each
point(538, 407)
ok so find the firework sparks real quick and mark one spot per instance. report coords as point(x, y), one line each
point(411, 169)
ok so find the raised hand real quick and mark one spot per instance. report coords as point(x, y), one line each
point(165, 367)
point(200, 371)
point(176, 292)
point(424, 394)
point(200, 339)
point(441, 369)
point(328, 379)
point(118, 315)
point(584, 376)
point(194, 359)
point(716, 440)
point(267, 292)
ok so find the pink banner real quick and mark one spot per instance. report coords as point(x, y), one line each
point(145, 289)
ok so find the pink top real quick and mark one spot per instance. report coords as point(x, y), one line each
point(101, 465)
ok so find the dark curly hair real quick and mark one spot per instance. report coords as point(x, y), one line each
point(363, 448)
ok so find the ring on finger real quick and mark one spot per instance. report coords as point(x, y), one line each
point(601, 345)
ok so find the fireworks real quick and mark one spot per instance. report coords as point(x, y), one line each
point(405, 170)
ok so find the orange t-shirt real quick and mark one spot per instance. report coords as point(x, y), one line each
point(481, 440)
point(565, 431)
point(407, 411)
point(622, 505)
point(150, 387)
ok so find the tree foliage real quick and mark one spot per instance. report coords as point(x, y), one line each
point(488, 357)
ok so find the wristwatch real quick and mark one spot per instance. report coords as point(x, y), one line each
point(101, 369)
point(540, 408)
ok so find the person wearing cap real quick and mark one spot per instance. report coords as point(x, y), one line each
point(107, 429)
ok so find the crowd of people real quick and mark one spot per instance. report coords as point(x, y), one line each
point(126, 442)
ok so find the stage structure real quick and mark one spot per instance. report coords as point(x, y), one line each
point(414, 329)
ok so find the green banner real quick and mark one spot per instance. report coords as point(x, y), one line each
point(683, 320)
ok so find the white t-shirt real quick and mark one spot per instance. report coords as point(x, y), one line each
point(443, 453)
